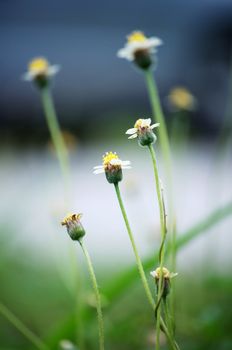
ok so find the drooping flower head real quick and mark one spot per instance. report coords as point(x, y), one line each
point(40, 71)
point(140, 49)
point(74, 226)
point(144, 131)
point(166, 275)
point(181, 98)
point(112, 167)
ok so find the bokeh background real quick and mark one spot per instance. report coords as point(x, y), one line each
point(98, 97)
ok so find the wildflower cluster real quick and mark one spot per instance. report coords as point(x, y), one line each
point(142, 51)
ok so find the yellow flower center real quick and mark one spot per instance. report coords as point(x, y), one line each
point(71, 217)
point(138, 123)
point(108, 157)
point(38, 65)
point(136, 36)
point(181, 98)
point(166, 273)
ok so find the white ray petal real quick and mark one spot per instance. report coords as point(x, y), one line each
point(146, 122)
point(98, 171)
point(155, 125)
point(126, 167)
point(126, 162)
point(52, 70)
point(153, 274)
point(133, 136)
point(28, 76)
point(131, 131)
point(98, 167)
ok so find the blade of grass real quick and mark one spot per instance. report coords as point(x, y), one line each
point(17, 323)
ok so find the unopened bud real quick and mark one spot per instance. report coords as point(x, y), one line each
point(74, 226)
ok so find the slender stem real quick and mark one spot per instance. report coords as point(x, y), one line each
point(97, 295)
point(137, 257)
point(158, 191)
point(34, 339)
point(167, 316)
point(141, 269)
point(163, 236)
point(165, 148)
point(159, 116)
point(57, 138)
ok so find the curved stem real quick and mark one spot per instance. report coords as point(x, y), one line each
point(141, 269)
point(56, 135)
point(97, 295)
point(34, 339)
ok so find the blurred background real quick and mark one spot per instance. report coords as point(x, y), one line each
point(98, 97)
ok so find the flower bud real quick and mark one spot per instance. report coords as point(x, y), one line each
point(166, 276)
point(113, 173)
point(146, 137)
point(143, 58)
point(74, 226)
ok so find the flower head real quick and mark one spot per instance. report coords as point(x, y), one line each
point(167, 276)
point(112, 167)
point(139, 49)
point(74, 226)
point(144, 131)
point(180, 98)
point(39, 70)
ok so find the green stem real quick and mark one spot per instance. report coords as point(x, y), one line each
point(97, 295)
point(56, 135)
point(159, 117)
point(125, 280)
point(140, 267)
point(159, 194)
point(34, 339)
point(163, 236)
point(137, 257)
point(165, 148)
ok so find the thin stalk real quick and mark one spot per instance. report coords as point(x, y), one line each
point(165, 148)
point(167, 317)
point(15, 321)
point(163, 236)
point(97, 295)
point(159, 116)
point(63, 158)
point(137, 257)
point(56, 135)
point(151, 301)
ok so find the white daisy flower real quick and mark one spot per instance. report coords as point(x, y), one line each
point(139, 48)
point(143, 130)
point(112, 166)
point(40, 68)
